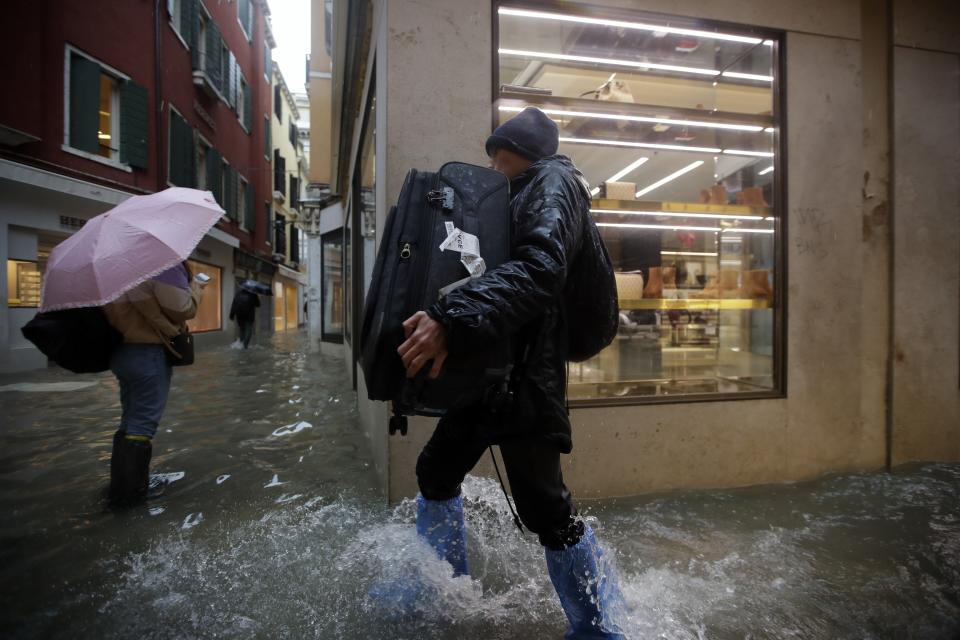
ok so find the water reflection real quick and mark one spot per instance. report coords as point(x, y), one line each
point(277, 529)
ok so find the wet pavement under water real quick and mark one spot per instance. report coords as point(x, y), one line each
point(277, 530)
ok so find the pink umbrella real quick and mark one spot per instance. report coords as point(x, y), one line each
point(131, 243)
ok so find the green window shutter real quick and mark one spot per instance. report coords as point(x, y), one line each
point(267, 142)
point(247, 108)
point(215, 174)
point(212, 63)
point(134, 122)
point(233, 81)
point(230, 184)
point(249, 221)
point(189, 27)
point(84, 104)
point(246, 17)
point(182, 157)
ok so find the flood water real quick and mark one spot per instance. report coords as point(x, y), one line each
point(276, 530)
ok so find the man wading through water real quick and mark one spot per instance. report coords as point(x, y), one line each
point(521, 299)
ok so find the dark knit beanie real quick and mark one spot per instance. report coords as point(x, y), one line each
point(530, 134)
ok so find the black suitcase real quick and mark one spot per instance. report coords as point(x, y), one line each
point(411, 272)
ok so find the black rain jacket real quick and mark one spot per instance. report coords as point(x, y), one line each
point(522, 300)
point(244, 306)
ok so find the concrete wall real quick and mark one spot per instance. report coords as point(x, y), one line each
point(926, 261)
point(834, 416)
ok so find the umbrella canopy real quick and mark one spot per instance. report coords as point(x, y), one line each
point(131, 243)
point(256, 287)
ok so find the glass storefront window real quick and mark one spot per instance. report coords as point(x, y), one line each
point(209, 317)
point(23, 284)
point(332, 275)
point(676, 125)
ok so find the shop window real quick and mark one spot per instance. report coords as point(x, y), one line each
point(676, 125)
point(107, 116)
point(331, 267)
point(208, 316)
point(23, 284)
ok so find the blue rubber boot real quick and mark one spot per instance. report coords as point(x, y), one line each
point(588, 590)
point(440, 522)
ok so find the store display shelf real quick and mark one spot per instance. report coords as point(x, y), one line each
point(725, 304)
point(693, 209)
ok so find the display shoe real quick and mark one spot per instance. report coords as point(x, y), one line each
point(704, 196)
point(588, 589)
point(757, 286)
point(669, 275)
point(710, 290)
point(752, 196)
point(730, 284)
point(629, 286)
point(654, 286)
point(718, 195)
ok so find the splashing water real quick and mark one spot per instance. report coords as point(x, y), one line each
point(854, 556)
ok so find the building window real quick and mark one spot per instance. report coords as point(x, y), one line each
point(201, 164)
point(292, 134)
point(107, 114)
point(229, 189)
point(245, 16)
point(676, 125)
point(208, 316)
point(280, 233)
point(294, 192)
point(267, 61)
point(267, 137)
point(23, 284)
point(181, 152)
point(279, 173)
point(268, 221)
point(278, 102)
point(182, 17)
point(242, 203)
point(244, 103)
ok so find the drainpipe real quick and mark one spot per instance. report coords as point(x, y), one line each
point(158, 125)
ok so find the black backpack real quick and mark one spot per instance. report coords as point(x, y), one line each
point(590, 298)
point(79, 340)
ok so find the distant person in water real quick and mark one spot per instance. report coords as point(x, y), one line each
point(244, 311)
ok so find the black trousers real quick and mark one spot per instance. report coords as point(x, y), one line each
point(533, 470)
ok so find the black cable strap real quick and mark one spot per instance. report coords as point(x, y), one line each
point(516, 518)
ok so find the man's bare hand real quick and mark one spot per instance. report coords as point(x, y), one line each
point(426, 340)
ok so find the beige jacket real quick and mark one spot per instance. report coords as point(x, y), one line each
point(161, 305)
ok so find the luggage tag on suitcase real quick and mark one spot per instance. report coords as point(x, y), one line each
point(469, 247)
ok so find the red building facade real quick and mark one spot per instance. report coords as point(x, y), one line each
point(107, 99)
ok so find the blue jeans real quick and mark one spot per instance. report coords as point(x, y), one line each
point(144, 376)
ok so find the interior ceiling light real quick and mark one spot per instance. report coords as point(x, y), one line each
point(544, 15)
point(676, 214)
point(619, 174)
point(744, 152)
point(668, 121)
point(681, 227)
point(635, 64)
point(672, 176)
point(739, 230)
point(766, 171)
point(640, 145)
point(708, 254)
point(748, 76)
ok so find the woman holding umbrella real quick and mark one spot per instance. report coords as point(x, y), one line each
point(149, 315)
point(131, 261)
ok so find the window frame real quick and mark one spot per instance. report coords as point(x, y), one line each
point(170, 112)
point(70, 50)
point(242, 203)
point(174, 18)
point(36, 264)
point(779, 202)
point(221, 271)
point(243, 28)
point(201, 141)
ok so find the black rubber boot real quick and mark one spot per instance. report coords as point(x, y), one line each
point(116, 457)
point(134, 470)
